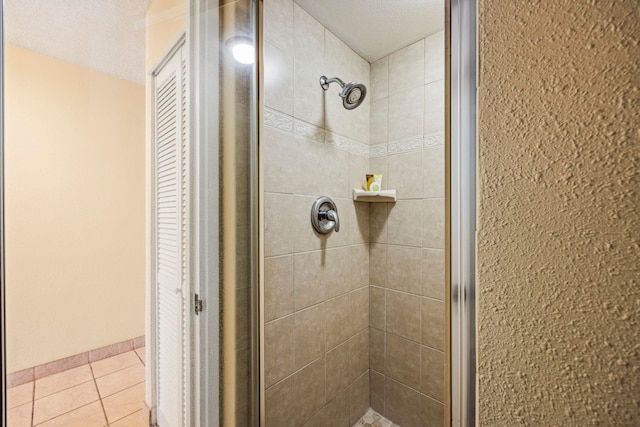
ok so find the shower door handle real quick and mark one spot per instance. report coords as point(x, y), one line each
point(324, 215)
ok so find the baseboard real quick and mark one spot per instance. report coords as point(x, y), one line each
point(37, 372)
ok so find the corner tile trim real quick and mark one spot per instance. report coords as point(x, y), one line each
point(37, 372)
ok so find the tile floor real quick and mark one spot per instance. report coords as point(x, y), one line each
point(109, 392)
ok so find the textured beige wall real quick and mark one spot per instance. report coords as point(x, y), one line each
point(558, 243)
point(74, 209)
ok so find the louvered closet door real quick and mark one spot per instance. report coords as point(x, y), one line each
point(171, 254)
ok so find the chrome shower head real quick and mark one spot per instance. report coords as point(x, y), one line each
point(352, 93)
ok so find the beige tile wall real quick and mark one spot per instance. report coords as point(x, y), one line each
point(407, 238)
point(316, 287)
point(353, 319)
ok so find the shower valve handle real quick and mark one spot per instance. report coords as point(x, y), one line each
point(330, 215)
point(324, 215)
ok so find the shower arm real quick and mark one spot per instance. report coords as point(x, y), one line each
point(324, 82)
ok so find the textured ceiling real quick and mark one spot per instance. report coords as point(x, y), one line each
point(104, 35)
point(109, 35)
point(375, 28)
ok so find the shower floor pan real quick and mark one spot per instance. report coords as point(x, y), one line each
point(372, 419)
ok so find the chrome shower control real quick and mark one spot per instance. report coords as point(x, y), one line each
point(324, 215)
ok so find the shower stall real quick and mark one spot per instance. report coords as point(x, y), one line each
point(354, 320)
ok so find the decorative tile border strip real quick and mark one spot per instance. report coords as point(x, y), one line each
point(358, 148)
point(277, 120)
point(309, 131)
point(405, 145)
point(337, 141)
point(378, 150)
point(37, 372)
point(283, 122)
point(434, 140)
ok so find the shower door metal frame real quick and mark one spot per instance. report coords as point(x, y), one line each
point(462, 159)
point(203, 26)
point(3, 354)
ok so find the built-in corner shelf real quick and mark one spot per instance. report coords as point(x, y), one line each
point(383, 196)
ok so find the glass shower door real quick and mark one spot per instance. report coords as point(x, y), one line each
point(224, 36)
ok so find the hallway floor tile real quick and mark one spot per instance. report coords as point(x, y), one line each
point(107, 393)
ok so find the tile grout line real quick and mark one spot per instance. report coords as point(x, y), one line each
point(65, 413)
point(129, 414)
point(118, 370)
point(95, 383)
point(94, 380)
point(417, 390)
point(408, 339)
point(140, 358)
point(384, 384)
point(126, 388)
point(62, 389)
point(296, 371)
point(33, 402)
point(317, 304)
